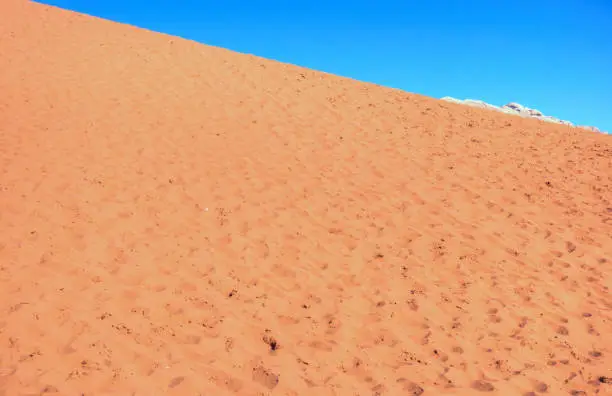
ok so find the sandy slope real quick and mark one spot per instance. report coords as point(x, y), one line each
point(181, 219)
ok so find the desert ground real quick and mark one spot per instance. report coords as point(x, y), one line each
point(181, 219)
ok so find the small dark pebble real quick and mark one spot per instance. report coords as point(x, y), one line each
point(541, 387)
point(271, 341)
point(49, 389)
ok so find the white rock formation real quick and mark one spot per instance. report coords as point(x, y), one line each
point(590, 128)
point(516, 109)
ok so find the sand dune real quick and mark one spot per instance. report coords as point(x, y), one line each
point(181, 219)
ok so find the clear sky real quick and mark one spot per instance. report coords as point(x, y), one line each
point(555, 56)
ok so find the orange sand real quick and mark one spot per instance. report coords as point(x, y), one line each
point(182, 219)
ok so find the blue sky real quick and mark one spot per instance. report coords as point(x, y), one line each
point(555, 56)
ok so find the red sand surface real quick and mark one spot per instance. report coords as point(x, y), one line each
point(182, 219)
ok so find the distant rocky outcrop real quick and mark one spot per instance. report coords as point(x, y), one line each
point(519, 110)
point(590, 128)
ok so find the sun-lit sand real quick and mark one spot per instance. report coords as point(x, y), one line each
point(185, 220)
